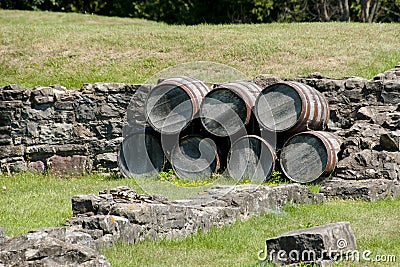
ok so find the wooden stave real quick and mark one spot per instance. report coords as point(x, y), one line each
point(310, 120)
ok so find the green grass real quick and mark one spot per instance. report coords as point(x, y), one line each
point(31, 200)
point(43, 48)
point(375, 225)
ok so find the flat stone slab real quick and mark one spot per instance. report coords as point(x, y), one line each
point(318, 244)
point(75, 164)
point(370, 190)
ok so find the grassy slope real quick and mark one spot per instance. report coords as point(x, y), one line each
point(71, 49)
point(39, 48)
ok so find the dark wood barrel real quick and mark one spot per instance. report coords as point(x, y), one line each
point(251, 157)
point(141, 154)
point(195, 157)
point(307, 156)
point(292, 107)
point(227, 108)
point(173, 103)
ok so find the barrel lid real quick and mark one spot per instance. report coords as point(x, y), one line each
point(224, 112)
point(168, 108)
point(278, 107)
point(140, 154)
point(251, 157)
point(305, 160)
point(195, 157)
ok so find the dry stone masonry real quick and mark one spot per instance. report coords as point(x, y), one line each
point(51, 128)
point(71, 131)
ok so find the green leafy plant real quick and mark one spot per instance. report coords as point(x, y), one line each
point(277, 178)
point(169, 176)
point(314, 187)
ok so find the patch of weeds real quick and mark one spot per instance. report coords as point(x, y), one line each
point(245, 181)
point(314, 187)
point(277, 178)
point(308, 225)
point(307, 264)
point(169, 176)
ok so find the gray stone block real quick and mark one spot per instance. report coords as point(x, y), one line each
point(369, 190)
point(42, 95)
point(75, 164)
point(355, 83)
point(3, 236)
point(313, 244)
point(118, 228)
point(40, 249)
point(14, 92)
point(390, 141)
point(36, 166)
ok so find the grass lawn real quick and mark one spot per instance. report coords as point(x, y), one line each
point(42, 48)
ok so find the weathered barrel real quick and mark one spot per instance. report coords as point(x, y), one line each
point(141, 154)
point(292, 107)
point(173, 103)
point(227, 108)
point(195, 157)
point(307, 156)
point(251, 157)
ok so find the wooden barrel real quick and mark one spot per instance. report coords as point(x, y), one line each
point(141, 154)
point(251, 157)
point(292, 107)
point(195, 157)
point(307, 156)
point(227, 108)
point(173, 103)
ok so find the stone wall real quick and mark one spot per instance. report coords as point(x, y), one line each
point(51, 128)
point(46, 127)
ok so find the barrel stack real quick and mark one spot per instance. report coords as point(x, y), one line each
point(232, 126)
point(299, 114)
